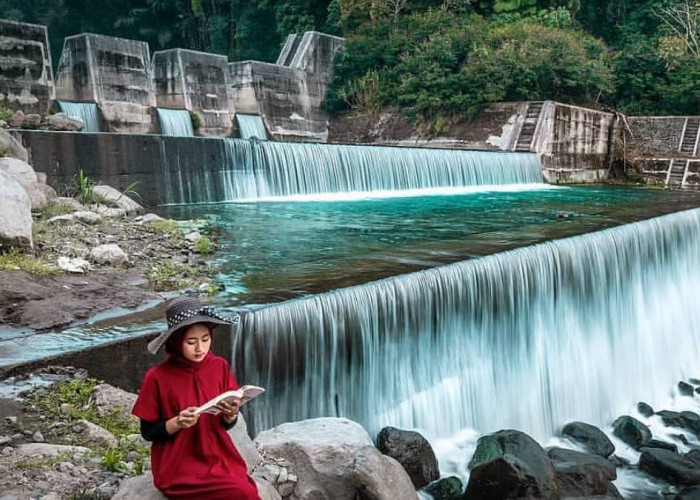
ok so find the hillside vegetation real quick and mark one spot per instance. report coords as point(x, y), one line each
point(439, 60)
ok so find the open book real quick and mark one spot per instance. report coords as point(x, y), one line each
point(245, 393)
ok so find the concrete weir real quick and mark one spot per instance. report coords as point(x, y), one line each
point(198, 82)
point(289, 93)
point(26, 79)
point(113, 72)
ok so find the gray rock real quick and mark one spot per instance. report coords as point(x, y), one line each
point(15, 213)
point(509, 464)
point(71, 203)
point(17, 119)
point(11, 147)
point(335, 458)
point(244, 445)
point(37, 194)
point(266, 491)
point(38, 437)
point(49, 450)
point(107, 398)
point(138, 488)
point(592, 438)
point(61, 121)
point(31, 120)
point(148, 218)
point(111, 197)
point(74, 265)
point(109, 254)
point(631, 431)
point(412, 451)
point(19, 170)
point(98, 435)
point(583, 475)
point(87, 217)
point(109, 212)
point(669, 466)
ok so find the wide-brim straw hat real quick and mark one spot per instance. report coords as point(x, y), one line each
point(182, 312)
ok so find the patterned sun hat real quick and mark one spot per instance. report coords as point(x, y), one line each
point(186, 311)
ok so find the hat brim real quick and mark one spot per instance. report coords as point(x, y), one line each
point(158, 342)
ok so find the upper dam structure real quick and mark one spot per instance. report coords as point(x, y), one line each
point(117, 86)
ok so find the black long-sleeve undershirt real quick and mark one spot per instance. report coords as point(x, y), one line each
point(156, 431)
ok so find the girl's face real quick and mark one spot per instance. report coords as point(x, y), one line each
point(196, 342)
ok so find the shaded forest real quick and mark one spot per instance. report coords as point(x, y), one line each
point(438, 60)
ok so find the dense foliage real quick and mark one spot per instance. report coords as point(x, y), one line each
point(437, 59)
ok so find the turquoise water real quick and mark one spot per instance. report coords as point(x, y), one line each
point(273, 251)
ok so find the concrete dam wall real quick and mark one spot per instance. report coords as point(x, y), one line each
point(127, 84)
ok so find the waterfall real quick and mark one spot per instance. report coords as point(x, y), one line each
point(578, 328)
point(260, 170)
point(86, 111)
point(251, 127)
point(175, 122)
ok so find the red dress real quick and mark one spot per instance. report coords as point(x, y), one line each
point(199, 462)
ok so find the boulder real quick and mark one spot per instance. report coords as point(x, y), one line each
point(107, 398)
point(109, 254)
point(245, 446)
point(413, 452)
point(685, 389)
point(107, 195)
point(61, 121)
point(592, 438)
point(17, 119)
point(93, 433)
point(10, 147)
point(335, 458)
point(631, 431)
point(447, 488)
point(683, 420)
point(31, 120)
point(138, 488)
point(510, 464)
point(142, 488)
point(19, 170)
point(657, 443)
point(669, 466)
point(15, 213)
point(37, 198)
point(583, 475)
point(644, 409)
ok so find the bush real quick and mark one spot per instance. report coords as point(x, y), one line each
point(439, 66)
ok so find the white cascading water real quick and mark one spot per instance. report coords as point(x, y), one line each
point(175, 122)
point(578, 328)
point(86, 111)
point(251, 127)
point(266, 170)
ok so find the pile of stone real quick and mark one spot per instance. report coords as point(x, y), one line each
point(22, 191)
point(336, 458)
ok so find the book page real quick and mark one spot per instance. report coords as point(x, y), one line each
point(245, 394)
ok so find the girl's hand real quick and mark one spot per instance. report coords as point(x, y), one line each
point(187, 418)
point(229, 410)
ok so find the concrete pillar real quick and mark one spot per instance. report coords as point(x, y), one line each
point(113, 72)
point(26, 79)
point(198, 82)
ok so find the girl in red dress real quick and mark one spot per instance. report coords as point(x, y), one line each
point(192, 456)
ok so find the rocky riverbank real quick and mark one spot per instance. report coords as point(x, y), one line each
point(65, 258)
point(72, 438)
